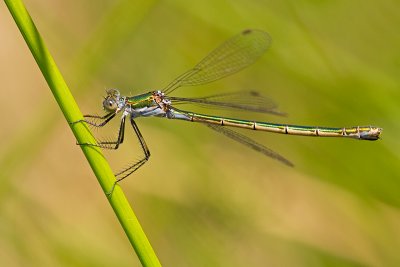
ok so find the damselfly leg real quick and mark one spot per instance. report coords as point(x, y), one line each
point(135, 166)
point(128, 171)
point(105, 119)
point(115, 144)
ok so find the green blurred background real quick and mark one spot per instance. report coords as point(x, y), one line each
point(202, 199)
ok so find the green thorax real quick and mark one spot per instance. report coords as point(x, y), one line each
point(141, 101)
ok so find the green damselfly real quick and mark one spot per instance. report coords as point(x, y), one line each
point(233, 55)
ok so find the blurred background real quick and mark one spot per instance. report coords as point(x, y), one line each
point(202, 199)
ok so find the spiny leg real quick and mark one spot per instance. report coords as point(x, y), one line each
point(121, 134)
point(128, 171)
point(108, 144)
point(120, 138)
point(106, 118)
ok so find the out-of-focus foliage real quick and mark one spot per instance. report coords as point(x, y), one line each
point(202, 199)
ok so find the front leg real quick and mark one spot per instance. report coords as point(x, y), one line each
point(120, 139)
point(108, 144)
point(104, 119)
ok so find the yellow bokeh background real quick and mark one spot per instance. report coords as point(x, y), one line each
point(202, 199)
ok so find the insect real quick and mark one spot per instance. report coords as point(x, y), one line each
point(233, 55)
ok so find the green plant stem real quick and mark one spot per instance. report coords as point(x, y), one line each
point(72, 113)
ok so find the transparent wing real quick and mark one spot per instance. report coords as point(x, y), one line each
point(247, 101)
point(233, 55)
point(249, 142)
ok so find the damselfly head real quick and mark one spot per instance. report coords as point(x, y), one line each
point(111, 101)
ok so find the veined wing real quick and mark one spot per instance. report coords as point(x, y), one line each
point(249, 142)
point(247, 101)
point(233, 55)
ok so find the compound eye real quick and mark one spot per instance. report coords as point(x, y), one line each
point(110, 105)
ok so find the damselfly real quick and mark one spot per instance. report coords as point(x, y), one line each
point(230, 57)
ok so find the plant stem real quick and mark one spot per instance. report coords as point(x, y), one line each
point(82, 134)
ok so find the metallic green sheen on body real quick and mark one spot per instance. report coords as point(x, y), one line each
point(358, 132)
point(141, 101)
